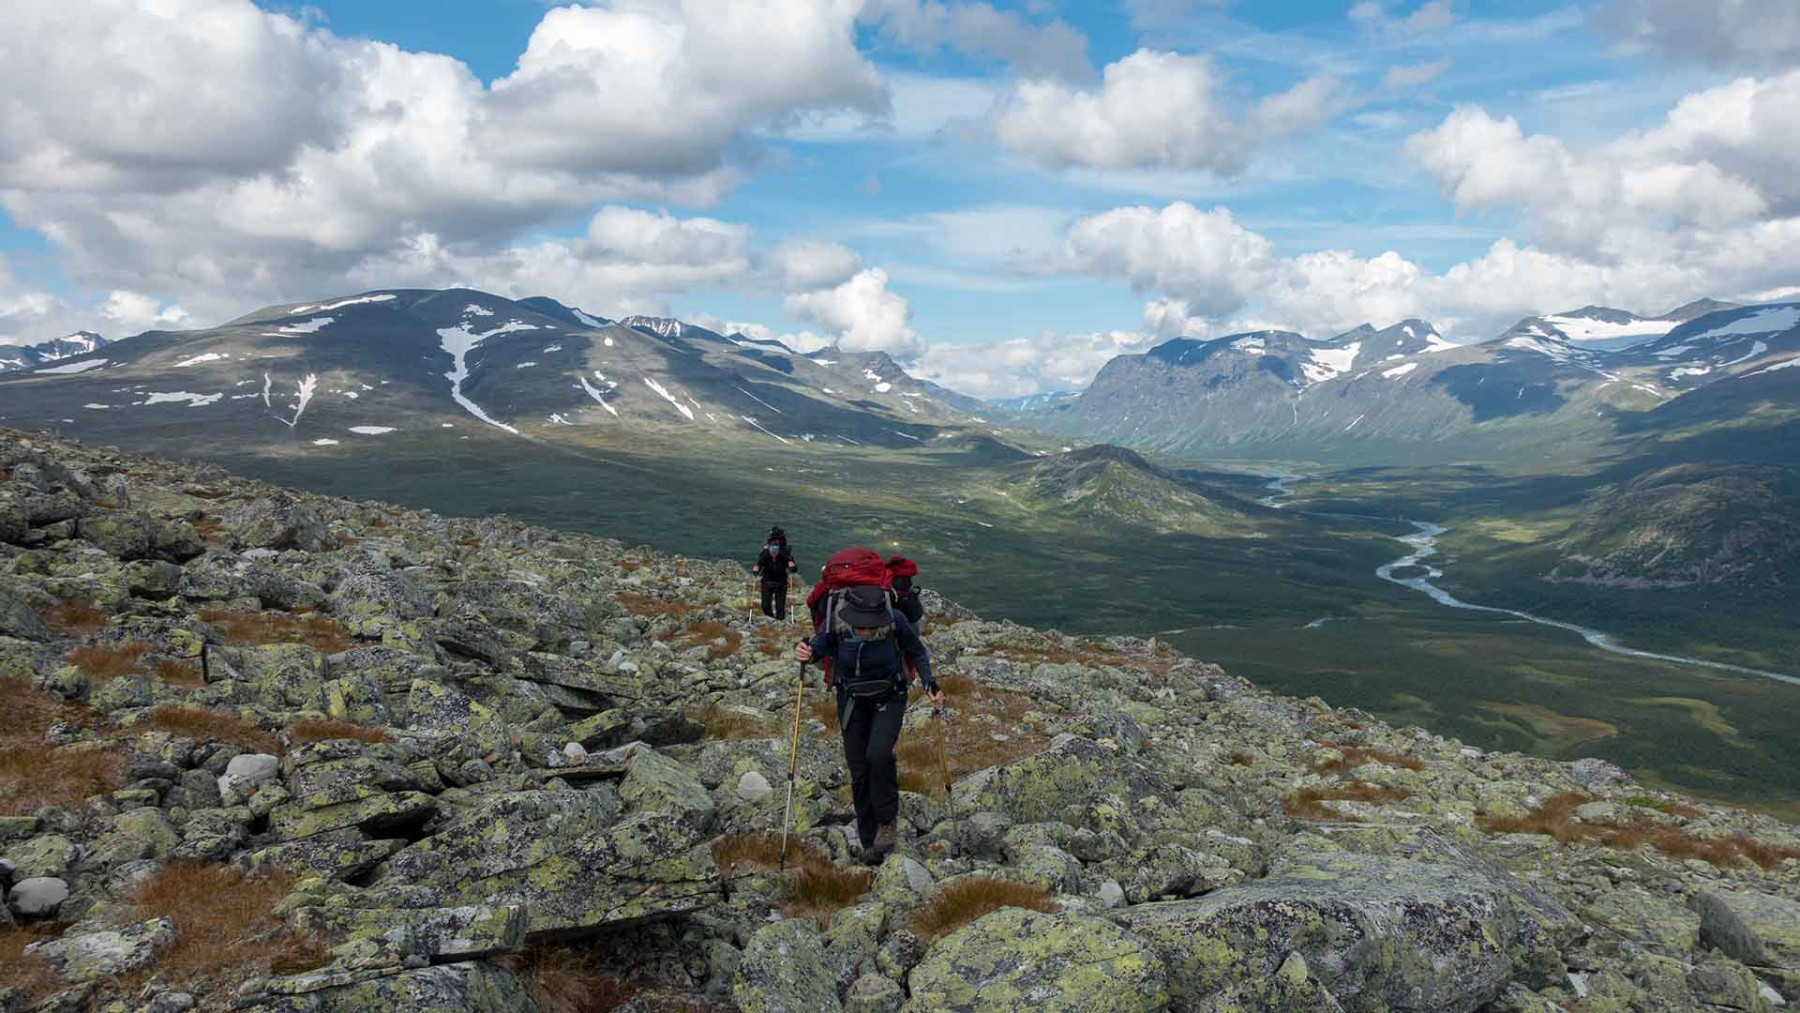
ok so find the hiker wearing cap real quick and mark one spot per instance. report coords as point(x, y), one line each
point(773, 564)
point(868, 644)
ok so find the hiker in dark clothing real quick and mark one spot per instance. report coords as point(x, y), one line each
point(773, 564)
point(901, 591)
point(869, 644)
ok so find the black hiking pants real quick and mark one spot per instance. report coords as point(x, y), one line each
point(870, 732)
point(776, 593)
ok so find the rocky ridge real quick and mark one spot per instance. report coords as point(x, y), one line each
point(278, 752)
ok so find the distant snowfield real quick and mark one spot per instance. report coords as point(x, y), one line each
point(590, 321)
point(666, 396)
point(73, 367)
point(596, 395)
point(340, 304)
point(198, 359)
point(193, 400)
point(1399, 371)
point(1587, 329)
point(459, 341)
point(372, 430)
point(1784, 364)
point(1330, 362)
point(325, 443)
point(1768, 321)
point(308, 327)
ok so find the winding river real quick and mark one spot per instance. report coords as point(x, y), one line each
point(1424, 545)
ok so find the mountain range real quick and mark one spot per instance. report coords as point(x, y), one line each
point(25, 357)
point(1545, 388)
point(451, 363)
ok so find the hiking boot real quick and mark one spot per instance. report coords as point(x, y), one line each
point(883, 846)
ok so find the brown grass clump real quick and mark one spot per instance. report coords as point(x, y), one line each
point(224, 923)
point(75, 619)
point(720, 640)
point(34, 773)
point(1305, 804)
point(762, 851)
point(202, 724)
point(1667, 806)
point(639, 604)
point(1239, 758)
point(816, 889)
point(972, 743)
point(559, 980)
point(256, 629)
point(328, 729)
point(210, 530)
point(179, 674)
point(1356, 756)
point(1555, 818)
point(967, 900)
point(726, 724)
point(820, 889)
point(775, 640)
point(27, 973)
point(105, 663)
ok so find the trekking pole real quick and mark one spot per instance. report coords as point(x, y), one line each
point(943, 720)
point(787, 814)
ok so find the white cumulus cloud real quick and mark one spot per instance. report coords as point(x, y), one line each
point(866, 316)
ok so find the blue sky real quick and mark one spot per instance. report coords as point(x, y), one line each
point(1052, 181)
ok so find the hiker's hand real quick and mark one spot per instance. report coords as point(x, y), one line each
point(936, 696)
point(803, 652)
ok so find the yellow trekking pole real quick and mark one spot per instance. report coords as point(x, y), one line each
point(793, 764)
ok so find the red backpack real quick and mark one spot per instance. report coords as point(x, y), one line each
point(846, 568)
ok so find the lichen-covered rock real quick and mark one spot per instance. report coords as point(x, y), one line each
point(48, 855)
point(277, 522)
point(122, 534)
point(108, 952)
point(468, 987)
point(783, 970)
point(375, 812)
point(656, 783)
point(874, 993)
point(340, 854)
point(553, 853)
point(1075, 781)
point(1759, 929)
point(1018, 961)
point(464, 933)
point(19, 619)
point(1378, 932)
point(137, 834)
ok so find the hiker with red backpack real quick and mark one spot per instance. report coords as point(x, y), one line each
point(901, 591)
point(866, 647)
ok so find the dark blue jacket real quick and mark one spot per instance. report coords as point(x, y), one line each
point(875, 658)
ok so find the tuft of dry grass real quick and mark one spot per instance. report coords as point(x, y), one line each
point(179, 674)
point(639, 604)
point(201, 724)
point(1355, 756)
point(559, 980)
point(210, 530)
point(820, 889)
point(28, 973)
point(75, 619)
point(327, 729)
point(720, 640)
point(967, 900)
point(721, 723)
point(1668, 807)
point(816, 888)
point(256, 629)
point(973, 744)
point(104, 663)
point(735, 852)
point(1239, 758)
point(1305, 804)
point(1555, 818)
point(224, 924)
point(34, 773)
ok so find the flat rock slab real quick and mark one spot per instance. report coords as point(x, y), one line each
point(351, 806)
point(1379, 933)
point(94, 955)
point(1019, 961)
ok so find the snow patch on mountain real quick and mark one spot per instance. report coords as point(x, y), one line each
point(1784, 364)
point(591, 321)
point(372, 430)
point(459, 341)
point(666, 396)
point(596, 395)
point(192, 400)
point(1767, 321)
point(1325, 363)
point(73, 367)
point(1399, 371)
point(1575, 328)
point(198, 359)
point(477, 310)
point(341, 303)
point(308, 327)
